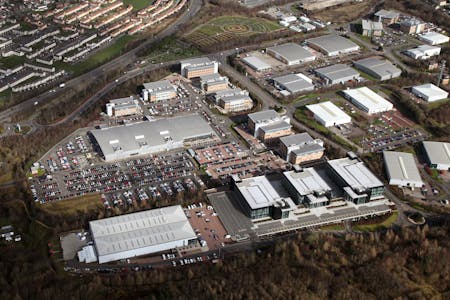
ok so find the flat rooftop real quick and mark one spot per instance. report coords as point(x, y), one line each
point(158, 86)
point(150, 133)
point(292, 52)
point(355, 173)
point(337, 71)
point(307, 181)
point(431, 91)
point(369, 99)
point(264, 115)
point(437, 152)
point(259, 191)
point(296, 139)
point(434, 37)
point(294, 82)
point(378, 66)
point(333, 43)
point(329, 111)
point(256, 63)
point(141, 229)
point(401, 165)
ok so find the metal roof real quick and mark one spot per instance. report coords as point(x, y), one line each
point(291, 52)
point(354, 173)
point(401, 166)
point(256, 63)
point(159, 86)
point(147, 134)
point(141, 229)
point(437, 152)
point(387, 14)
point(371, 101)
point(379, 67)
point(333, 43)
point(296, 139)
point(274, 127)
point(328, 111)
point(337, 71)
point(294, 83)
point(434, 37)
point(430, 90)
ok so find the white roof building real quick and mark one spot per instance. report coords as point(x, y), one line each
point(438, 155)
point(434, 38)
point(367, 100)
point(402, 170)
point(141, 233)
point(329, 114)
point(256, 63)
point(429, 92)
point(423, 52)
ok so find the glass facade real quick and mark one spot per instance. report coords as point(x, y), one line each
point(376, 192)
point(260, 213)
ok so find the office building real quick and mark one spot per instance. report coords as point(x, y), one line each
point(268, 125)
point(196, 67)
point(159, 91)
point(213, 83)
point(122, 107)
point(300, 148)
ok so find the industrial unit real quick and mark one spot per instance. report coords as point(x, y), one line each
point(434, 38)
point(429, 92)
point(291, 54)
point(141, 233)
point(256, 63)
point(379, 68)
point(120, 142)
point(213, 83)
point(233, 100)
point(328, 114)
point(438, 155)
point(332, 44)
point(293, 83)
point(122, 107)
point(402, 170)
point(301, 147)
point(367, 100)
point(423, 52)
point(268, 125)
point(412, 26)
point(196, 67)
point(371, 28)
point(159, 91)
point(387, 17)
point(335, 74)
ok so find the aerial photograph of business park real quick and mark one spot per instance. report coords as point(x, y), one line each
point(224, 149)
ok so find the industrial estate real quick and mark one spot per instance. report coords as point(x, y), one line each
point(319, 126)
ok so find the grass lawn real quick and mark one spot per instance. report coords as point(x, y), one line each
point(72, 206)
point(11, 61)
point(373, 227)
point(99, 57)
point(301, 116)
point(170, 49)
point(138, 4)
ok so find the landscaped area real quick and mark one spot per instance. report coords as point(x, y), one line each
point(169, 49)
point(388, 222)
point(226, 28)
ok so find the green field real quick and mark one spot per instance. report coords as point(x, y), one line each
point(225, 28)
point(373, 227)
point(11, 61)
point(168, 49)
point(99, 57)
point(138, 4)
point(72, 206)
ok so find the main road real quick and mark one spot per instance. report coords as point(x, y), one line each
point(119, 62)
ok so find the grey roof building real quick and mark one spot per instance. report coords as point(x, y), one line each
point(291, 54)
point(438, 155)
point(300, 147)
point(402, 170)
point(332, 44)
point(256, 63)
point(148, 137)
point(294, 83)
point(141, 233)
point(338, 73)
point(379, 68)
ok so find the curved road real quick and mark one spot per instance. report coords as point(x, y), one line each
point(121, 61)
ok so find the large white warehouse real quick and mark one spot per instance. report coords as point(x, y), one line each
point(429, 92)
point(434, 38)
point(402, 170)
point(141, 233)
point(329, 114)
point(120, 142)
point(367, 100)
point(438, 155)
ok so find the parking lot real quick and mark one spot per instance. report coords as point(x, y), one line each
point(207, 225)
